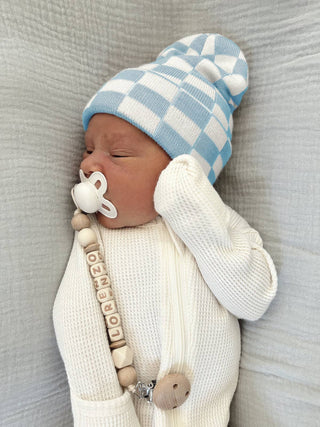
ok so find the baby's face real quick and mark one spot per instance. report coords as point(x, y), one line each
point(131, 162)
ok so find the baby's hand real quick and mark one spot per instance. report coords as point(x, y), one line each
point(180, 184)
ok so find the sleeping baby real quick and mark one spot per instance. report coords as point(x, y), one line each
point(146, 316)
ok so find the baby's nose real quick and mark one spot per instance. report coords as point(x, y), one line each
point(89, 167)
point(92, 163)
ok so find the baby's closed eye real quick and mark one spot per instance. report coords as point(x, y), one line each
point(120, 155)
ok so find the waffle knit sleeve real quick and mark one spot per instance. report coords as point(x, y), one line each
point(97, 399)
point(229, 253)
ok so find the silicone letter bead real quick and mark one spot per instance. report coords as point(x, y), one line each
point(86, 237)
point(122, 357)
point(94, 257)
point(113, 320)
point(101, 282)
point(104, 295)
point(115, 334)
point(108, 307)
point(98, 269)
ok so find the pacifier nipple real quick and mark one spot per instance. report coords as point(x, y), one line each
point(89, 198)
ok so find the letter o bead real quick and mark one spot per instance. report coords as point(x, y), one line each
point(94, 257)
point(113, 320)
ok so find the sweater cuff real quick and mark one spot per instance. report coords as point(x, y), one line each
point(94, 413)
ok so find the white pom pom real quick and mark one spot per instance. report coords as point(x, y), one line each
point(86, 237)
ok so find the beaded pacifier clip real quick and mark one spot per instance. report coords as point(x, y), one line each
point(172, 390)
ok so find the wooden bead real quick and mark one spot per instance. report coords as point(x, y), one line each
point(117, 344)
point(122, 357)
point(94, 257)
point(80, 221)
point(115, 334)
point(172, 391)
point(109, 307)
point(92, 247)
point(104, 295)
point(97, 270)
point(86, 237)
point(101, 282)
point(127, 376)
point(113, 320)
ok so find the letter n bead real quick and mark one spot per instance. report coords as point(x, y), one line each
point(101, 282)
point(97, 270)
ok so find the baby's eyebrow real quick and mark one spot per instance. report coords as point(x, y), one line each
point(107, 136)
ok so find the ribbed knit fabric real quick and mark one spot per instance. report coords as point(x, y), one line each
point(180, 282)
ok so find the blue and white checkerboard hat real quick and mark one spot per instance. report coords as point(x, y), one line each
point(184, 100)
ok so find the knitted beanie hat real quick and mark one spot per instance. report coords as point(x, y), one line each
point(184, 100)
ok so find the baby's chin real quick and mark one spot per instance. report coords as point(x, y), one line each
point(108, 222)
point(119, 222)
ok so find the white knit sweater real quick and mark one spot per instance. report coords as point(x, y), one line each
point(180, 283)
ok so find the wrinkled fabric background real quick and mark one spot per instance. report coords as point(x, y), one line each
point(53, 57)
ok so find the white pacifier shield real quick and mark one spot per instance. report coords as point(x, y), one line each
point(89, 198)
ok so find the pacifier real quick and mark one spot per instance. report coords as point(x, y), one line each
point(89, 198)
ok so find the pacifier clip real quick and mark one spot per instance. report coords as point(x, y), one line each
point(172, 390)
